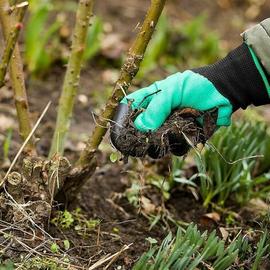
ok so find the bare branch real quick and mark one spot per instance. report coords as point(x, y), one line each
point(17, 77)
point(11, 41)
point(71, 82)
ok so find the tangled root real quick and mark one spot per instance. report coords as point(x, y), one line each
point(177, 135)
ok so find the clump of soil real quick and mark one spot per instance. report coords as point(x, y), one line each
point(177, 135)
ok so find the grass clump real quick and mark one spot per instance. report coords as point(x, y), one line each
point(195, 250)
point(229, 167)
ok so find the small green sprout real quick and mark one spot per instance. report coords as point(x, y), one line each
point(113, 157)
point(66, 244)
point(54, 248)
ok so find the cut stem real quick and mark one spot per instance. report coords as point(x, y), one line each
point(86, 164)
point(71, 81)
point(11, 41)
point(17, 78)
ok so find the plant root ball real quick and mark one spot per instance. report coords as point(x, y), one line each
point(180, 132)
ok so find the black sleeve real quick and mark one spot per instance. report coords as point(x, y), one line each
point(237, 78)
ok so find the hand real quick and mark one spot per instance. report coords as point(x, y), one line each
point(180, 90)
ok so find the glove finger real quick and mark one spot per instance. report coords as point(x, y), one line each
point(155, 114)
point(224, 116)
point(141, 98)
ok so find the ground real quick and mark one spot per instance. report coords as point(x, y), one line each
point(103, 197)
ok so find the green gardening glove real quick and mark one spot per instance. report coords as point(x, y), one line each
point(180, 90)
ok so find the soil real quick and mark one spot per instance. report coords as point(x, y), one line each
point(102, 197)
point(179, 133)
point(122, 224)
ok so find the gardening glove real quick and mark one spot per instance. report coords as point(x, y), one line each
point(232, 83)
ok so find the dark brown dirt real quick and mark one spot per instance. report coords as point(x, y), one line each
point(121, 224)
point(179, 133)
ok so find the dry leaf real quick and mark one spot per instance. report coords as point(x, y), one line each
point(252, 12)
point(110, 76)
point(257, 207)
point(83, 99)
point(213, 216)
point(209, 220)
point(224, 233)
point(147, 205)
point(225, 4)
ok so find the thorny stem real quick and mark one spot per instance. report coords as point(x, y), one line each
point(128, 72)
point(71, 81)
point(17, 78)
point(87, 163)
point(11, 41)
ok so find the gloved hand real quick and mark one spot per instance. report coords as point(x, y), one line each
point(233, 82)
point(180, 90)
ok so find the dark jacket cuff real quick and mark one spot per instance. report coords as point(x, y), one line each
point(237, 78)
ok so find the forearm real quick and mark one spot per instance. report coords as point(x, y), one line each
point(243, 76)
point(237, 78)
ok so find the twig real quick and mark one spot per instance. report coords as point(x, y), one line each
point(86, 164)
point(111, 258)
point(11, 41)
point(44, 246)
point(71, 82)
point(25, 142)
point(116, 256)
point(17, 78)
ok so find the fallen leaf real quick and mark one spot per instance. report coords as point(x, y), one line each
point(213, 216)
point(224, 233)
point(147, 205)
point(252, 12)
point(225, 4)
point(110, 76)
point(209, 220)
point(257, 207)
point(83, 99)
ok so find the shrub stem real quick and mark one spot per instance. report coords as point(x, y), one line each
point(11, 41)
point(72, 76)
point(17, 77)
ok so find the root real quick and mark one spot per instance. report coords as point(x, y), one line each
point(177, 135)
